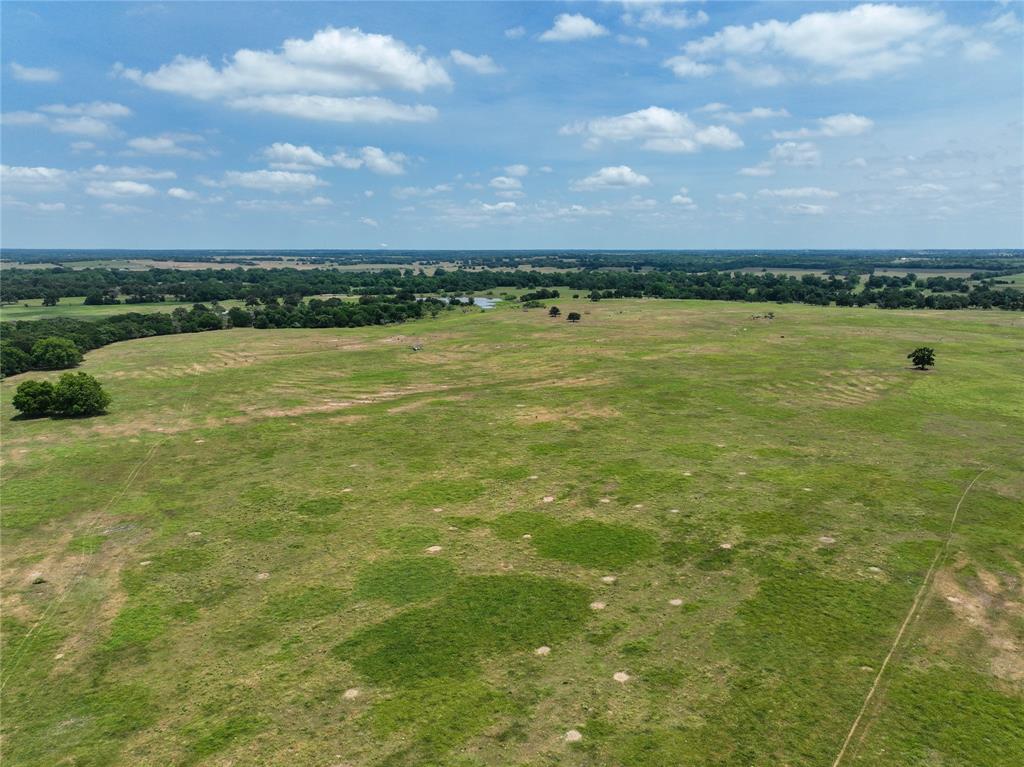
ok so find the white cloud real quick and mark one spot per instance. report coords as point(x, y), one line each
point(121, 172)
point(369, 221)
point(51, 207)
point(386, 164)
point(684, 66)
point(722, 112)
point(181, 194)
point(499, 207)
point(980, 50)
point(573, 26)
point(761, 169)
point(333, 109)
point(806, 209)
point(115, 207)
point(505, 183)
point(302, 78)
point(37, 178)
point(802, 192)
point(732, 197)
point(405, 192)
point(684, 199)
point(659, 130)
point(283, 155)
point(847, 124)
point(612, 177)
point(166, 144)
point(119, 189)
point(653, 15)
point(638, 41)
point(924, 190)
point(856, 43)
point(273, 180)
point(482, 65)
point(761, 75)
point(82, 146)
point(33, 74)
point(514, 33)
point(518, 170)
point(92, 119)
point(800, 155)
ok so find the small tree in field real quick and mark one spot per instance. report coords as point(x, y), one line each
point(554, 311)
point(33, 398)
point(573, 317)
point(79, 394)
point(923, 357)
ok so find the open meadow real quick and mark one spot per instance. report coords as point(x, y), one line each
point(675, 533)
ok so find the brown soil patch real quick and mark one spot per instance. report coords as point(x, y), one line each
point(985, 604)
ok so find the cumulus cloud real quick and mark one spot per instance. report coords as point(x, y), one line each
point(273, 180)
point(723, 112)
point(405, 192)
point(93, 119)
point(806, 209)
point(683, 199)
point(499, 207)
point(761, 169)
point(37, 177)
point(119, 189)
point(290, 157)
point(612, 177)
point(309, 79)
point(803, 154)
point(855, 43)
point(644, 14)
point(731, 197)
point(684, 66)
point(121, 172)
point(366, 220)
point(518, 170)
point(847, 124)
point(170, 144)
point(514, 33)
point(801, 192)
point(573, 26)
point(505, 183)
point(33, 74)
point(181, 194)
point(658, 129)
point(482, 65)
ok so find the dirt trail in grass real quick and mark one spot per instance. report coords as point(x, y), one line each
point(939, 559)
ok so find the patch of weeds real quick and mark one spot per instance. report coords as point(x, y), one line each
point(320, 507)
point(407, 538)
point(439, 492)
point(589, 543)
point(480, 616)
point(405, 580)
point(218, 737)
point(309, 602)
point(86, 544)
point(136, 625)
point(636, 649)
point(186, 559)
point(437, 716)
point(603, 634)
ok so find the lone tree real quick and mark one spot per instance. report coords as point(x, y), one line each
point(923, 357)
point(554, 311)
point(573, 317)
point(33, 398)
point(55, 353)
point(78, 394)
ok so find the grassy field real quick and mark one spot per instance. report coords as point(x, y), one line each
point(33, 309)
point(685, 535)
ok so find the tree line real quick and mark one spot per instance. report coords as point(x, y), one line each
point(58, 343)
point(105, 285)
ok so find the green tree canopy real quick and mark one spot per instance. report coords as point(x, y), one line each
point(923, 357)
point(79, 394)
point(55, 353)
point(33, 398)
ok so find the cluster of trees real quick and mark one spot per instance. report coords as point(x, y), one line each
point(262, 285)
point(75, 395)
point(539, 295)
point(58, 343)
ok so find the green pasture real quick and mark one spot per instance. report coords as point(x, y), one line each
point(321, 547)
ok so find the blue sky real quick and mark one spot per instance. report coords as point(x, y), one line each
point(512, 125)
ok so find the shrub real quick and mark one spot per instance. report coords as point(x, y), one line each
point(79, 394)
point(55, 353)
point(573, 317)
point(33, 398)
point(13, 360)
